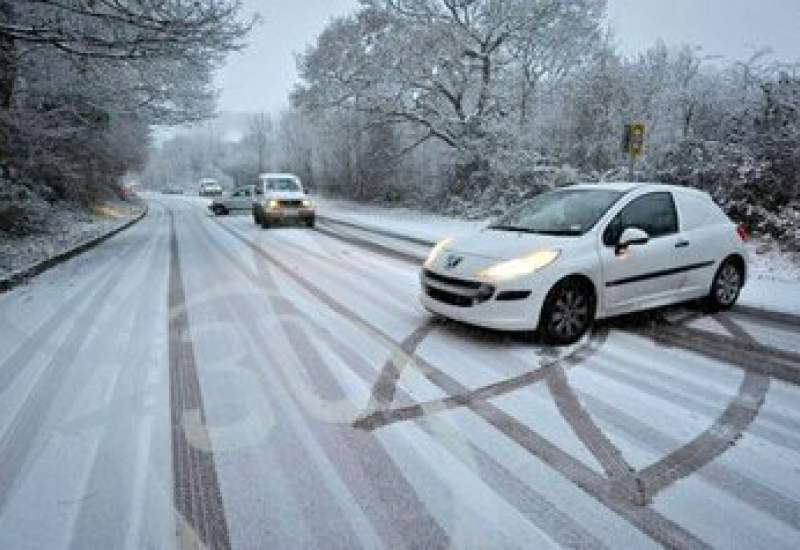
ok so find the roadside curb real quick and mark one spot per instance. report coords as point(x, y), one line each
point(20, 277)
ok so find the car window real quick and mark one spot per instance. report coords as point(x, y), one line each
point(282, 184)
point(654, 213)
point(237, 194)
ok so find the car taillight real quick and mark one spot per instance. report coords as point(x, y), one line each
point(741, 230)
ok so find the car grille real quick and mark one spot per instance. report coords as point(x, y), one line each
point(448, 297)
point(291, 204)
point(452, 280)
point(455, 292)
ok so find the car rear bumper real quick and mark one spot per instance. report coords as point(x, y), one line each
point(500, 307)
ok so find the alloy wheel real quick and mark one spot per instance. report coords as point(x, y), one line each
point(729, 283)
point(570, 315)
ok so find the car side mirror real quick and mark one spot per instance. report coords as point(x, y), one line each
point(632, 236)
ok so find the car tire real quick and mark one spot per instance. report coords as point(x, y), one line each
point(264, 223)
point(310, 222)
point(726, 286)
point(567, 313)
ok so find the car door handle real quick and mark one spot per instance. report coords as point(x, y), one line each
point(682, 243)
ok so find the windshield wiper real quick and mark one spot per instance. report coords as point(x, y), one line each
point(512, 228)
point(561, 233)
point(556, 233)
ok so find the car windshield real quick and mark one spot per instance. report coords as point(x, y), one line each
point(284, 184)
point(563, 212)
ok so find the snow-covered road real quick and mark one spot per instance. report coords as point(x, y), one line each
point(284, 388)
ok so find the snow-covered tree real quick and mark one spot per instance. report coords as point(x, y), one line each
point(81, 81)
point(441, 68)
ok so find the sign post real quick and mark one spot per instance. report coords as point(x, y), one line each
point(633, 145)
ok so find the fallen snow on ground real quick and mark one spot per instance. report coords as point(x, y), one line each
point(405, 221)
point(66, 229)
point(774, 281)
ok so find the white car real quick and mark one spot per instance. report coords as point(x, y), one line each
point(210, 188)
point(584, 252)
point(239, 200)
point(281, 197)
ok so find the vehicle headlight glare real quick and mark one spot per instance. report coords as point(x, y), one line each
point(519, 267)
point(307, 203)
point(273, 204)
point(436, 250)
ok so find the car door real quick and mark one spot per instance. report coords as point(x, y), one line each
point(239, 199)
point(643, 275)
point(247, 198)
point(254, 195)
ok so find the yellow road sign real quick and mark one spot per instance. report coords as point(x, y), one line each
point(633, 140)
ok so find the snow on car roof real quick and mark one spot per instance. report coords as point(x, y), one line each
point(626, 186)
point(277, 175)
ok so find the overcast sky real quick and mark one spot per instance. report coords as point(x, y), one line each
point(261, 77)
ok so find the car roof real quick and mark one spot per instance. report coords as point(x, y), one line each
point(627, 187)
point(277, 175)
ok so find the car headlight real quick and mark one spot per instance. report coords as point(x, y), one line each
point(273, 204)
point(518, 267)
point(437, 250)
point(307, 203)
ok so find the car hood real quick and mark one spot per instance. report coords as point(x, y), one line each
point(505, 245)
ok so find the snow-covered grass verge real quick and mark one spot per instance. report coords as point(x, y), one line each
point(774, 282)
point(66, 228)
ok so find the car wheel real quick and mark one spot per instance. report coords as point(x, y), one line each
point(218, 210)
point(310, 222)
point(264, 223)
point(726, 286)
point(568, 312)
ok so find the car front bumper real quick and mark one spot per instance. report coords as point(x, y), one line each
point(279, 214)
point(510, 306)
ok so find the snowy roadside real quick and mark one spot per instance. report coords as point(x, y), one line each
point(66, 229)
point(406, 221)
point(774, 282)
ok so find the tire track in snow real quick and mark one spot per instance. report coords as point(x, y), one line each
point(645, 519)
point(728, 427)
point(38, 341)
point(607, 454)
point(196, 492)
point(719, 437)
point(117, 452)
point(723, 477)
point(19, 443)
point(532, 504)
point(353, 451)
